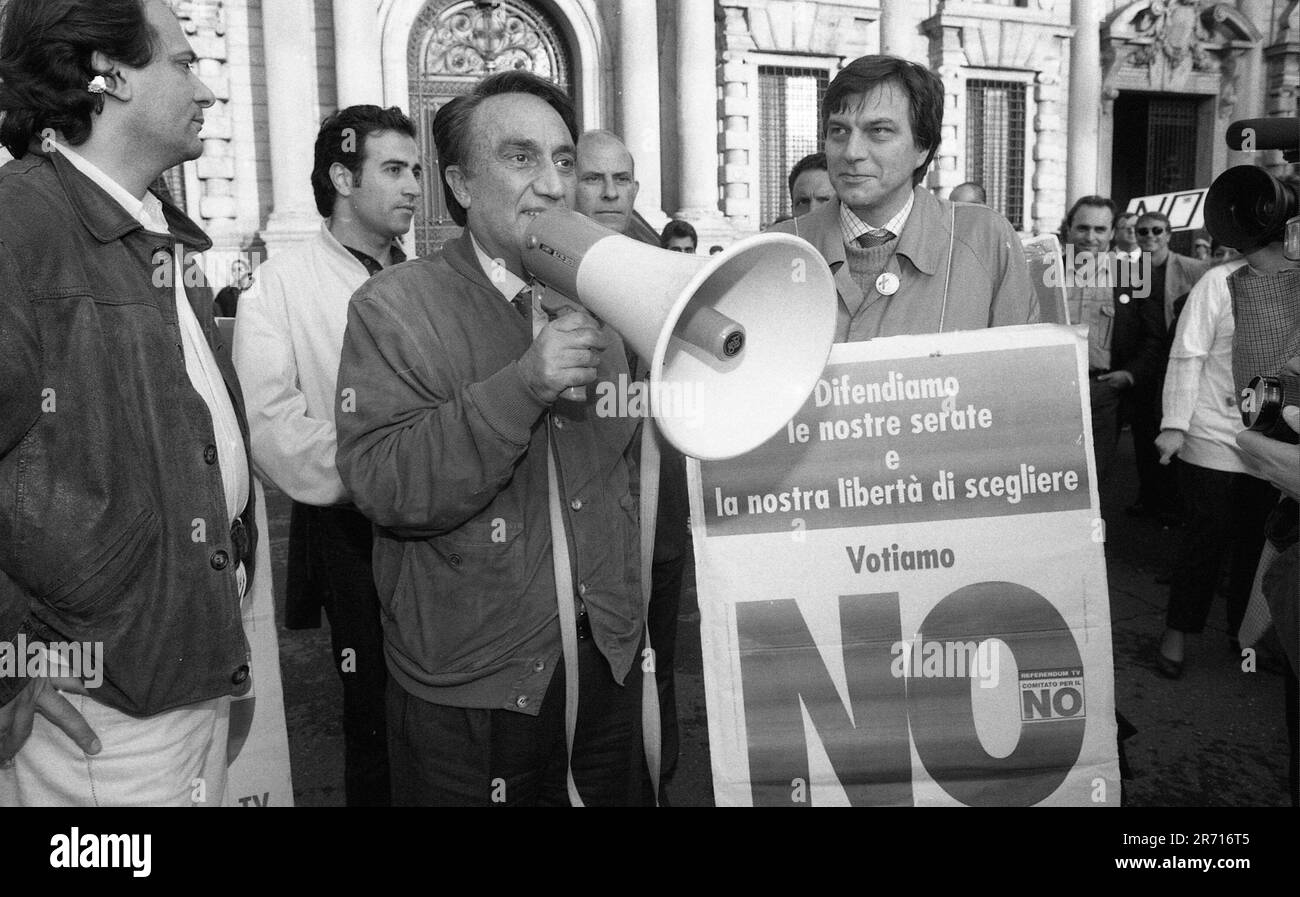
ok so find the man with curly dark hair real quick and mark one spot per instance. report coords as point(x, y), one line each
point(126, 507)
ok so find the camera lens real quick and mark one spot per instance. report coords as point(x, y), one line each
point(1247, 207)
point(1261, 408)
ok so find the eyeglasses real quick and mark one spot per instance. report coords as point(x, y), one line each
point(1150, 231)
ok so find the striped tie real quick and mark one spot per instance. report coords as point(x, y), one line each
point(870, 239)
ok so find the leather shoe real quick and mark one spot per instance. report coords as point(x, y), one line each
point(1170, 669)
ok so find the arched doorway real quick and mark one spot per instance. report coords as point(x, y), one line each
point(455, 43)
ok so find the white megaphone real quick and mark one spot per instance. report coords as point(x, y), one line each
point(736, 341)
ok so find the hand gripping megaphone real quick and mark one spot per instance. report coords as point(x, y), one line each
point(736, 341)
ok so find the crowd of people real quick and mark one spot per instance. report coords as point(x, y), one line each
point(470, 531)
point(1166, 358)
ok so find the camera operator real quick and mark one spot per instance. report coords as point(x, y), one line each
point(1252, 211)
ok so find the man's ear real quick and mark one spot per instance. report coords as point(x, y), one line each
point(456, 178)
point(341, 178)
point(116, 84)
point(636, 187)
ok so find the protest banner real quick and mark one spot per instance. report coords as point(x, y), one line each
point(1184, 209)
point(903, 594)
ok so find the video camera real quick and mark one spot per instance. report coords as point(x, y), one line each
point(1247, 207)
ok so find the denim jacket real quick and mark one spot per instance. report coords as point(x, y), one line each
point(113, 520)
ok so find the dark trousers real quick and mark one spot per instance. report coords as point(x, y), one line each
point(459, 756)
point(339, 543)
point(1105, 424)
point(1158, 490)
point(1225, 521)
point(665, 603)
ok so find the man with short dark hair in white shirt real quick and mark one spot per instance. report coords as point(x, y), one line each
point(288, 339)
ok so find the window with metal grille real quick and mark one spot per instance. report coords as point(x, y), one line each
point(788, 103)
point(995, 144)
point(1171, 144)
point(453, 45)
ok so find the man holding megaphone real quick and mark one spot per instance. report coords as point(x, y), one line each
point(452, 441)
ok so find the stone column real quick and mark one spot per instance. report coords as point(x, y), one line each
point(638, 98)
point(292, 102)
point(1249, 77)
point(1084, 99)
point(1048, 206)
point(697, 110)
point(896, 29)
point(356, 53)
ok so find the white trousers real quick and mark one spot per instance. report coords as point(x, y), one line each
point(171, 759)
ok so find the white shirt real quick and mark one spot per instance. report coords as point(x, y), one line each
point(509, 284)
point(287, 345)
point(1199, 396)
point(204, 374)
point(853, 227)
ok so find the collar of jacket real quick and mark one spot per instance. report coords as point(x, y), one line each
point(105, 218)
point(924, 241)
point(460, 254)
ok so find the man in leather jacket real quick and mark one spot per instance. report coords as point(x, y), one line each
point(126, 506)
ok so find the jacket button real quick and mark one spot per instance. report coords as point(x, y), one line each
point(576, 504)
point(219, 559)
point(559, 423)
point(539, 666)
point(240, 675)
point(454, 560)
point(210, 454)
point(521, 702)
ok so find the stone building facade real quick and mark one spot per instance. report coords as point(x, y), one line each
point(1046, 99)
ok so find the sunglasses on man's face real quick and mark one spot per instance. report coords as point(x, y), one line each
point(1150, 231)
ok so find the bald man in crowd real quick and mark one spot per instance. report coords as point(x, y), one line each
point(607, 189)
point(969, 192)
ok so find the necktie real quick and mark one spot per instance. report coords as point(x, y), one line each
point(870, 239)
point(523, 303)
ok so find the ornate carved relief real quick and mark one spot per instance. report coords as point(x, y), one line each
point(1173, 29)
point(1175, 45)
point(478, 39)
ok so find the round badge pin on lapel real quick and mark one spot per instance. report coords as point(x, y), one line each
point(1123, 298)
point(887, 284)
